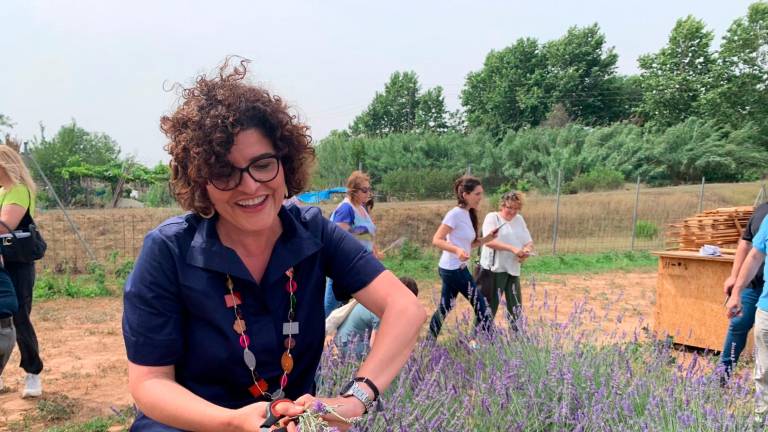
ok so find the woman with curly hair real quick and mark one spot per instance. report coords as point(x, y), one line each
point(223, 313)
point(456, 237)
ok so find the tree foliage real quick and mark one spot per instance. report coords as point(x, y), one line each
point(77, 162)
point(521, 85)
point(675, 79)
point(402, 107)
point(740, 77)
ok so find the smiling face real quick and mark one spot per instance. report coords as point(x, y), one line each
point(473, 198)
point(251, 207)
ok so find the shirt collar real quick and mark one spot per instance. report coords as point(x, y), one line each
point(294, 244)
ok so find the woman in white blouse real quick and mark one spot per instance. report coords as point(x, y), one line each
point(505, 253)
point(456, 237)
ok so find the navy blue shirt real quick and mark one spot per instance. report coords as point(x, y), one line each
point(175, 311)
point(749, 234)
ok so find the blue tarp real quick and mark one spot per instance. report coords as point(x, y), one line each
point(316, 197)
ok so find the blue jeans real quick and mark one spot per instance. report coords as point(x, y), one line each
point(739, 327)
point(457, 282)
point(329, 302)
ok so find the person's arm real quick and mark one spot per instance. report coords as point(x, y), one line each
point(440, 240)
point(11, 215)
point(747, 272)
point(160, 397)
point(343, 225)
point(486, 239)
point(742, 250)
point(402, 317)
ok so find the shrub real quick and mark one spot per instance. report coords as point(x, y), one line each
point(596, 180)
point(159, 195)
point(419, 184)
point(646, 229)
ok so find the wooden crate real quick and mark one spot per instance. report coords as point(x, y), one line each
point(690, 300)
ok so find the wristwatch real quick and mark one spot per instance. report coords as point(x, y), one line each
point(354, 389)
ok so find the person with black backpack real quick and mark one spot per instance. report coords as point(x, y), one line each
point(17, 209)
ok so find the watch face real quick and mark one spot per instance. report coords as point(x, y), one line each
point(347, 386)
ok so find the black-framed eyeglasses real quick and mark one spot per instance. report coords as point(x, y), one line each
point(364, 189)
point(262, 170)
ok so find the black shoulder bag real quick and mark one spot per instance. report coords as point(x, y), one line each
point(23, 249)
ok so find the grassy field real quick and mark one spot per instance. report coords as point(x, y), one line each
point(588, 223)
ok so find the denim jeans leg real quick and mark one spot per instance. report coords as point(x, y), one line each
point(447, 296)
point(329, 301)
point(738, 329)
point(467, 287)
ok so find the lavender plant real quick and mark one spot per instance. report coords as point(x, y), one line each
point(579, 373)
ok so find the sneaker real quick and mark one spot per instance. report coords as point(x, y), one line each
point(32, 386)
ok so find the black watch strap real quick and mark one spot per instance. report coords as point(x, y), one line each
point(370, 385)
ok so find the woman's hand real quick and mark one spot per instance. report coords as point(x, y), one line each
point(462, 254)
point(349, 408)
point(492, 235)
point(250, 417)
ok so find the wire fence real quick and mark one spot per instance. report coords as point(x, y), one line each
point(631, 219)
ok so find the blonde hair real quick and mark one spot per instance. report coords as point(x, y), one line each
point(512, 197)
point(355, 182)
point(11, 163)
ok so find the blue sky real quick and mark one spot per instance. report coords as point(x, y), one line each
point(104, 63)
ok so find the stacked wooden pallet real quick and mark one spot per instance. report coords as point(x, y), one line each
point(720, 227)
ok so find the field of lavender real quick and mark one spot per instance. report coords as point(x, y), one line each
point(576, 374)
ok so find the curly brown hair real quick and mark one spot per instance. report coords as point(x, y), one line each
point(202, 130)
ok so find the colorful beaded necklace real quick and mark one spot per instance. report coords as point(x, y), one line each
point(290, 328)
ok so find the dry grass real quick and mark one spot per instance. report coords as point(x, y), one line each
point(591, 222)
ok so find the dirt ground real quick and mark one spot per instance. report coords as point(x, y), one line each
point(84, 356)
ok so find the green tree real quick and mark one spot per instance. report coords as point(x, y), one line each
point(401, 107)
point(740, 95)
point(5, 121)
point(72, 154)
point(523, 84)
point(579, 66)
point(675, 78)
point(509, 92)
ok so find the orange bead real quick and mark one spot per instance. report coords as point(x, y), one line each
point(287, 362)
point(239, 326)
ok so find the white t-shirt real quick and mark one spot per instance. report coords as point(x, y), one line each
point(462, 236)
point(514, 233)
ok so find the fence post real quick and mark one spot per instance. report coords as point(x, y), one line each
point(469, 169)
point(634, 215)
point(701, 195)
point(761, 196)
point(557, 215)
